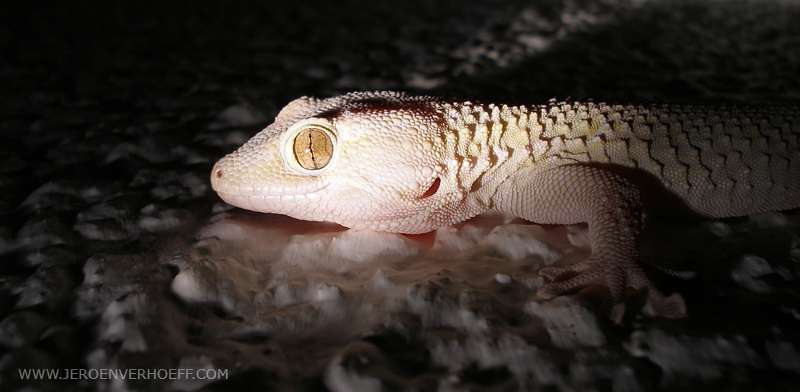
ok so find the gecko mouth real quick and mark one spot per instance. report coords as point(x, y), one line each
point(268, 192)
point(223, 186)
point(274, 203)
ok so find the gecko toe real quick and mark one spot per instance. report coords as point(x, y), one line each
point(574, 278)
point(615, 277)
point(563, 273)
point(554, 289)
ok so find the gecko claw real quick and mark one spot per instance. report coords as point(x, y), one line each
point(615, 278)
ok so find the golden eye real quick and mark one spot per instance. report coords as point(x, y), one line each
point(313, 148)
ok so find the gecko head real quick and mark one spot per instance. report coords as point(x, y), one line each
point(363, 160)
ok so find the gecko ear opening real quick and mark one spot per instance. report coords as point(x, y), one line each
point(432, 190)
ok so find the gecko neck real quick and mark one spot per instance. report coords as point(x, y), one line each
point(489, 143)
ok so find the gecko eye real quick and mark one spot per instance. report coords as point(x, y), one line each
point(313, 148)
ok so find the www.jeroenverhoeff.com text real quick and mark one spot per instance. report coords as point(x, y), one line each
point(123, 374)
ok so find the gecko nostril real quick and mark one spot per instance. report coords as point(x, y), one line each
point(219, 173)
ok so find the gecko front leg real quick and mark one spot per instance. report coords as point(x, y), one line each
point(612, 208)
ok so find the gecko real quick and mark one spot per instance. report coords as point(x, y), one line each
point(395, 162)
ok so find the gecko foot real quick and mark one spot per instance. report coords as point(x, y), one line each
point(616, 276)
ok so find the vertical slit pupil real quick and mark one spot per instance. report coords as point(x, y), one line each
point(313, 148)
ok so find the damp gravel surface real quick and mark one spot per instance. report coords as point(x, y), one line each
point(117, 258)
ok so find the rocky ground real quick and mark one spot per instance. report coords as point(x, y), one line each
point(116, 254)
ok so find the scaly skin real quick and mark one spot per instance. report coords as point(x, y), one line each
point(393, 162)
